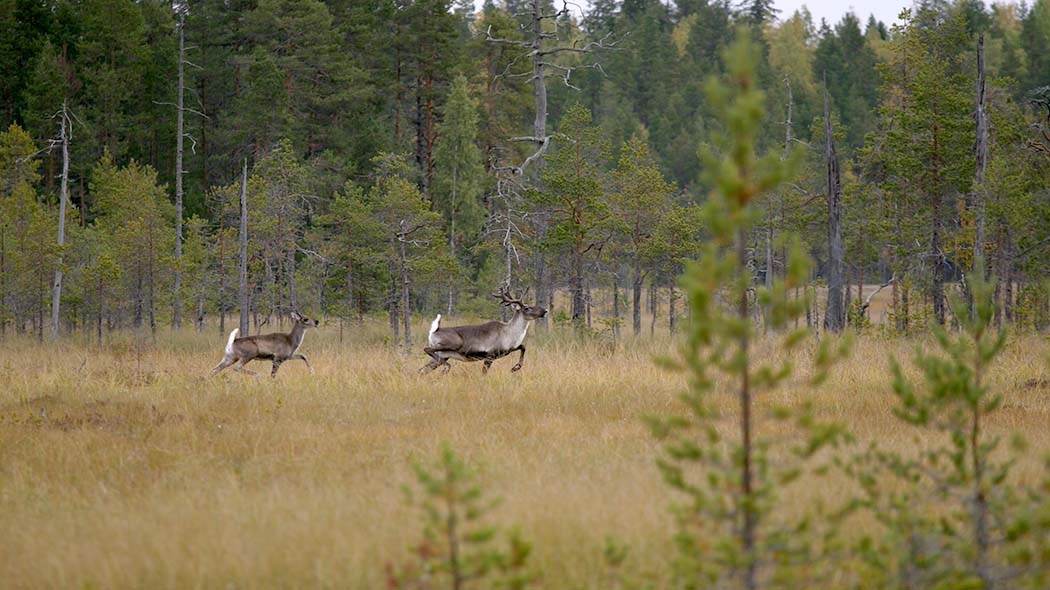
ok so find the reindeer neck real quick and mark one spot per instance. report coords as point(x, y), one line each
point(518, 321)
point(296, 335)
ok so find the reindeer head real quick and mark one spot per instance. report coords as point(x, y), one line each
point(531, 312)
point(304, 321)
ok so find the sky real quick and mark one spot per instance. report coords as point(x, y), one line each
point(832, 10)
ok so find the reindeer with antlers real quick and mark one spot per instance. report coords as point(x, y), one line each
point(482, 342)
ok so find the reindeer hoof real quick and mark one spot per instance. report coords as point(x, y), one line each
point(516, 367)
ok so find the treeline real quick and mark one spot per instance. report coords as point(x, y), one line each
point(400, 157)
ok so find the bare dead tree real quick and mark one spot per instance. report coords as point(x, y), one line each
point(63, 197)
point(404, 239)
point(540, 45)
point(835, 313)
point(176, 311)
point(180, 135)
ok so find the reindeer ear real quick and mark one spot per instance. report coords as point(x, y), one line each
point(295, 316)
point(515, 306)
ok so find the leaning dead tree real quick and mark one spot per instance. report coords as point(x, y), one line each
point(544, 38)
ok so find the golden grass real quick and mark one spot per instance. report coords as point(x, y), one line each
point(127, 468)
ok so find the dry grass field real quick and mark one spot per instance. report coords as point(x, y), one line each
point(126, 467)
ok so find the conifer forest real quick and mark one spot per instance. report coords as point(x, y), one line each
point(786, 280)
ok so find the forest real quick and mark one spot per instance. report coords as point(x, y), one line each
point(404, 158)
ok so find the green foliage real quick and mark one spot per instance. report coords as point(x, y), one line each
point(923, 151)
point(17, 164)
point(574, 194)
point(951, 515)
point(844, 58)
point(459, 548)
point(136, 224)
point(27, 254)
point(371, 226)
point(460, 171)
point(729, 531)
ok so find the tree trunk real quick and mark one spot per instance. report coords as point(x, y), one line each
point(63, 196)
point(293, 303)
point(835, 313)
point(149, 291)
point(392, 308)
point(860, 271)
point(202, 286)
point(671, 297)
point(222, 279)
point(243, 273)
point(981, 153)
point(937, 288)
point(176, 308)
point(101, 309)
point(1008, 278)
point(652, 307)
point(636, 298)
point(452, 235)
point(507, 266)
point(349, 289)
point(539, 132)
point(578, 298)
point(906, 307)
point(616, 308)
point(748, 505)
point(404, 289)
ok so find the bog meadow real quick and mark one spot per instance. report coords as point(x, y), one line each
point(430, 294)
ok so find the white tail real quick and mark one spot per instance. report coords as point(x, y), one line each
point(434, 325)
point(229, 343)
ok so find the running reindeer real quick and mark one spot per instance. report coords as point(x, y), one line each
point(482, 342)
point(273, 347)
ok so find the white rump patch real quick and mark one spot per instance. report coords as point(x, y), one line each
point(229, 343)
point(434, 325)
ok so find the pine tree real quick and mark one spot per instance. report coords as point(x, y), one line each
point(728, 532)
point(136, 223)
point(574, 196)
point(459, 173)
point(925, 143)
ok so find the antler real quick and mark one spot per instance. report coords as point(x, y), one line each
point(506, 298)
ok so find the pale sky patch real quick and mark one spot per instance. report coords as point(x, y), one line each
point(831, 10)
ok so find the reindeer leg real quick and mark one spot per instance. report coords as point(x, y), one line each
point(485, 367)
point(517, 367)
point(276, 365)
point(225, 362)
point(446, 367)
point(239, 367)
point(434, 363)
point(302, 357)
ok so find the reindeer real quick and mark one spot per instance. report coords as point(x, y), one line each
point(482, 342)
point(274, 347)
